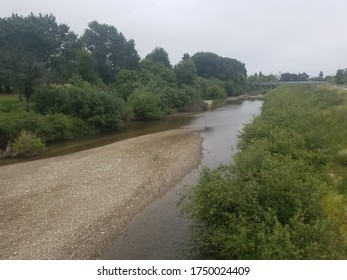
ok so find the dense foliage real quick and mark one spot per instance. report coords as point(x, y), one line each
point(49, 127)
point(291, 77)
point(27, 144)
point(34, 49)
point(110, 49)
point(94, 105)
point(341, 77)
point(231, 71)
point(282, 197)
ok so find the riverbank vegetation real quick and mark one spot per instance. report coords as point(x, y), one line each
point(71, 85)
point(284, 196)
point(341, 77)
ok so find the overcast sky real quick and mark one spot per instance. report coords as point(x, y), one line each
point(271, 36)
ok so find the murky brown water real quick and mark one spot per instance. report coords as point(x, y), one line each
point(160, 232)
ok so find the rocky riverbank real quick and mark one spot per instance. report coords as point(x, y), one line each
point(75, 206)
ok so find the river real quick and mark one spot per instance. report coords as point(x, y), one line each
point(160, 231)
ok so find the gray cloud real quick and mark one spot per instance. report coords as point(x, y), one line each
point(267, 35)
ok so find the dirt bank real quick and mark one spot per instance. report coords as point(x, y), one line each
point(74, 206)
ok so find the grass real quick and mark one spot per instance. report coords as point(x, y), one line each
point(9, 102)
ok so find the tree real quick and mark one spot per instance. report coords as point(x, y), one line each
point(207, 64)
point(231, 71)
point(110, 49)
point(185, 57)
point(126, 82)
point(86, 66)
point(159, 55)
point(341, 76)
point(158, 72)
point(210, 65)
point(32, 49)
point(290, 77)
point(185, 72)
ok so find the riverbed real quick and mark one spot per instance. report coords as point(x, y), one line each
point(74, 206)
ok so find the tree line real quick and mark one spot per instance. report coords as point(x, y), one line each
point(37, 50)
point(286, 77)
point(97, 80)
point(340, 78)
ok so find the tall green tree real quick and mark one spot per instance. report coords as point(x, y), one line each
point(341, 76)
point(186, 72)
point(85, 66)
point(32, 50)
point(186, 56)
point(126, 82)
point(160, 74)
point(159, 55)
point(207, 64)
point(210, 65)
point(110, 49)
point(290, 77)
point(231, 71)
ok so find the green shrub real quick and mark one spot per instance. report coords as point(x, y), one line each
point(216, 92)
point(211, 88)
point(342, 156)
point(94, 105)
point(54, 127)
point(146, 105)
point(27, 144)
point(50, 127)
point(327, 97)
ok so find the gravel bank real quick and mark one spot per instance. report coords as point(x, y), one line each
point(74, 206)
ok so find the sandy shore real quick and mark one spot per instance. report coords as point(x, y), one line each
point(75, 206)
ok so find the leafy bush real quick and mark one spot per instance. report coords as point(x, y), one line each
point(327, 97)
point(92, 104)
point(342, 156)
point(215, 92)
point(146, 105)
point(54, 127)
point(50, 127)
point(174, 98)
point(211, 88)
point(27, 144)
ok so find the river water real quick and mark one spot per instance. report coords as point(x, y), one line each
point(160, 231)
